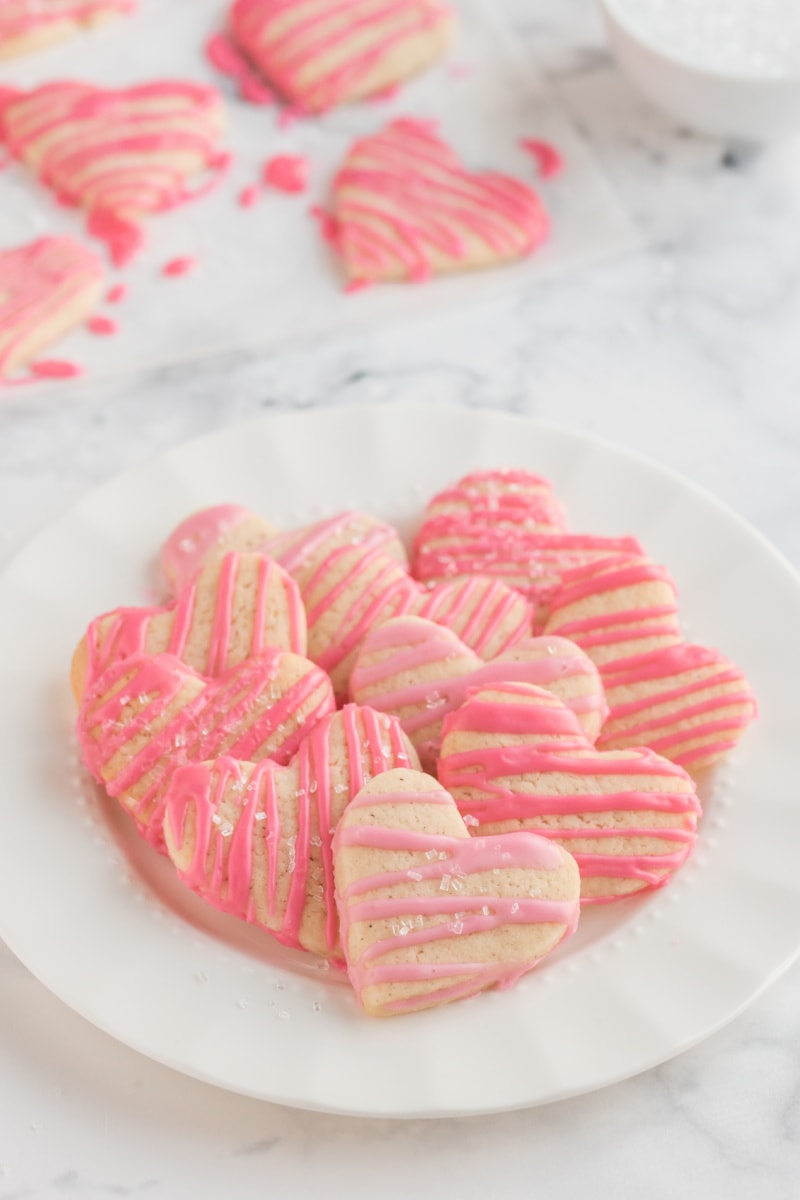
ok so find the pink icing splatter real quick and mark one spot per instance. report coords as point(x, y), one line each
point(287, 173)
point(116, 293)
point(389, 93)
point(178, 266)
point(55, 368)
point(547, 158)
point(248, 196)
point(102, 326)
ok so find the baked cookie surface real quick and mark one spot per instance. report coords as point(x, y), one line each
point(29, 25)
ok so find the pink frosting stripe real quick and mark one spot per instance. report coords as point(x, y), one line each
point(189, 545)
point(286, 40)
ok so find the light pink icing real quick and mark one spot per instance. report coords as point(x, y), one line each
point(374, 745)
point(493, 789)
point(285, 40)
point(55, 368)
point(84, 138)
point(116, 293)
point(222, 718)
point(122, 633)
point(189, 545)
point(23, 18)
point(403, 197)
point(545, 155)
point(287, 173)
point(103, 326)
point(656, 666)
point(463, 914)
point(179, 266)
point(249, 196)
point(37, 281)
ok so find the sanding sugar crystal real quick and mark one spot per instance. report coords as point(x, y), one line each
point(756, 38)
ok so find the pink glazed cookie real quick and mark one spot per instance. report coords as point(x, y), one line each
point(419, 672)
point(255, 840)
point(147, 715)
point(514, 757)
point(320, 53)
point(405, 208)
point(429, 914)
point(119, 154)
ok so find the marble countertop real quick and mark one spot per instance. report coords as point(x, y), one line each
point(685, 350)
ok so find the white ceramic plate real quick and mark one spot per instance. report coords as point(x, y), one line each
point(99, 918)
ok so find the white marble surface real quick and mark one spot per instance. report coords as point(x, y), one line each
point(686, 350)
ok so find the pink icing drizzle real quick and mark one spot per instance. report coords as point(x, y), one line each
point(463, 914)
point(76, 134)
point(403, 199)
point(487, 783)
point(286, 41)
point(375, 744)
point(103, 326)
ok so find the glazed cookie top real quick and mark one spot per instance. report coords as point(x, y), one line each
point(320, 53)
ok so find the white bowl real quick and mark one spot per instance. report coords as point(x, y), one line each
point(716, 101)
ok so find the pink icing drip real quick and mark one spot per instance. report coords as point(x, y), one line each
point(55, 368)
point(287, 173)
point(286, 40)
point(249, 196)
point(103, 326)
point(179, 266)
point(545, 155)
point(117, 293)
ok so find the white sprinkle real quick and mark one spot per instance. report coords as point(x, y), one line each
point(415, 875)
point(514, 907)
point(431, 854)
point(444, 886)
point(216, 819)
point(261, 816)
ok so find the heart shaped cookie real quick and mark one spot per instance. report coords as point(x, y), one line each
point(507, 525)
point(514, 757)
point(429, 914)
point(236, 607)
point(419, 672)
point(320, 53)
point(120, 155)
point(406, 208)
point(687, 702)
point(255, 840)
point(27, 26)
point(145, 716)
point(47, 287)
point(209, 534)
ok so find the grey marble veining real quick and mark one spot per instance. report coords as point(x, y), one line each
point(686, 350)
